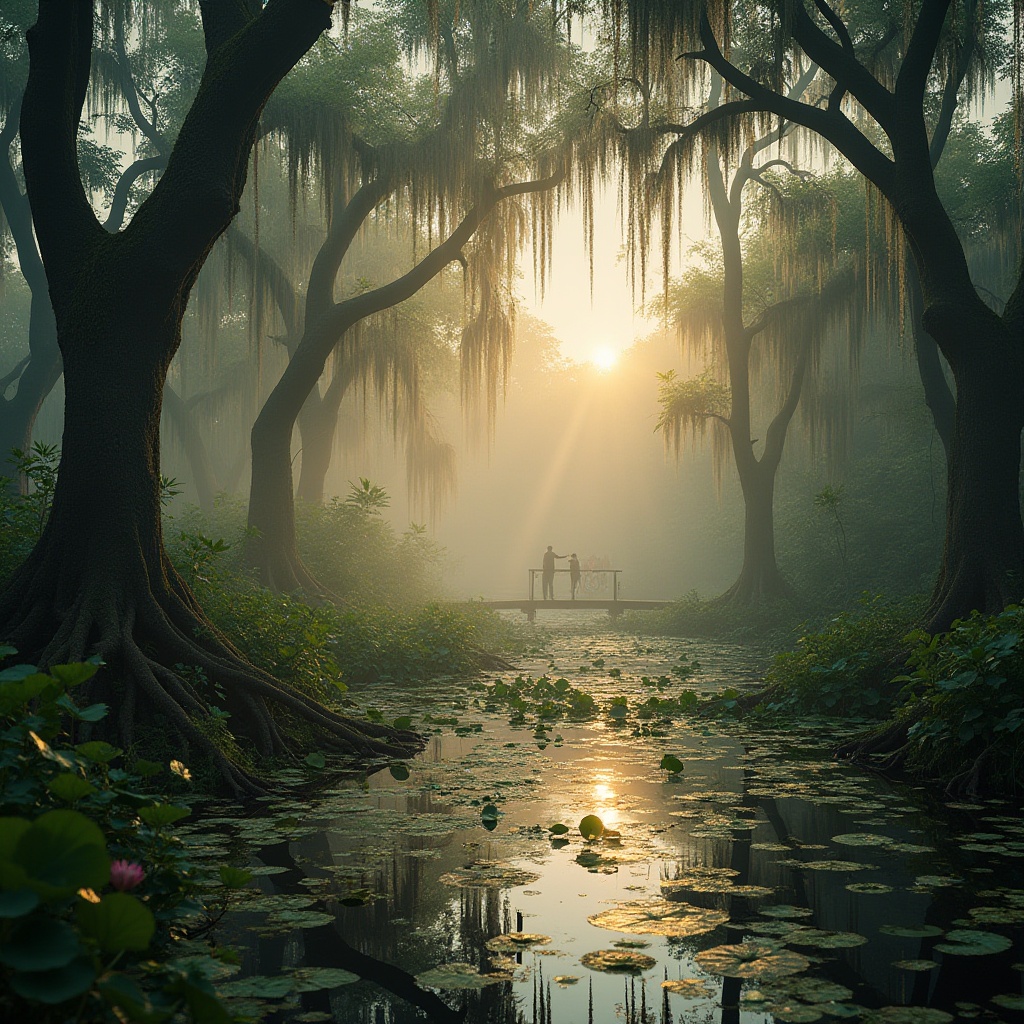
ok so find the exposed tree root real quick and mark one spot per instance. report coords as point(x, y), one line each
point(144, 635)
point(972, 781)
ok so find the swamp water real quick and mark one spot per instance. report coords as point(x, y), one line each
point(762, 881)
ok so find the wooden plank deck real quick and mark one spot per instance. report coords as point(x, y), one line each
point(613, 607)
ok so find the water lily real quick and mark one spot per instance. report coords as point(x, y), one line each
point(125, 875)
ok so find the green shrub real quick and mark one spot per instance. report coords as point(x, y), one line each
point(80, 826)
point(964, 694)
point(843, 667)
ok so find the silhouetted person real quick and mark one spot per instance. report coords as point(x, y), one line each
point(548, 573)
point(574, 574)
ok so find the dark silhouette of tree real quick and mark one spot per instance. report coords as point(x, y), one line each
point(99, 580)
point(883, 71)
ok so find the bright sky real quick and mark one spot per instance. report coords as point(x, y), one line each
point(597, 328)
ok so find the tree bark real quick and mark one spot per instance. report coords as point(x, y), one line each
point(99, 579)
point(42, 371)
point(272, 548)
point(983, 554)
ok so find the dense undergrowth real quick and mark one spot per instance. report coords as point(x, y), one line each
point(95, 888)
point(388, 624)
point(948, 706)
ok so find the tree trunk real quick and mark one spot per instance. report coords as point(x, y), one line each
point(937, 395)
point(759, 579)
point(983, 557)
point(99, 579)
point(317, 448)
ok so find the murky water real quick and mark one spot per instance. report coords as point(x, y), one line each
point(763, 881)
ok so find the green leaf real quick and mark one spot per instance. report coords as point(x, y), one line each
point(201, 1000)
point(316, 760)
point(399, 771)
point(48, 752)
point(57, 985)
point(671, 764)
point(591, 827)
point(402, 722)
point(11, 830)
point(69, 787)
point(99, 751)
point(40, 944)
point(157, 815)
point(558, 829)
point(18, 902)
point(489, 812)
point(62, 852)
point(118, 922)
point(147, 768)
point(234, 878)
point(75, 674)
point(123, 992)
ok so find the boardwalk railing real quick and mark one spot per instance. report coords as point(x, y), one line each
point(586, 579)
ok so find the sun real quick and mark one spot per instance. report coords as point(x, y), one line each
point(604, 358)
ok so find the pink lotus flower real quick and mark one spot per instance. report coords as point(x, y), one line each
point(125, 875)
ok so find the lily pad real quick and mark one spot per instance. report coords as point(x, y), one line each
point(659, 917)
point(785, 911)
point(489, 875)
point(862, 839)
point(1009, 1002)
point(566, 979)
point(516, 942)
point(837, 865)
point(763, 960)
point(966, 942)
point(818, 939)
point(924, 931)
point(869, 888)
point(908, 1015)
point(914, 965)
point(458, 976)
point(618, 960)
point(688, 988)
point(313, 979)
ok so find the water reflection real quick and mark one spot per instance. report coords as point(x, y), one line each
point(804, 857)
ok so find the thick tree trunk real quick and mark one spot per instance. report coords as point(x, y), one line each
point(759, 580)
point(937, 395)
point(99, 580)
point(983, 558)
point(317, 432)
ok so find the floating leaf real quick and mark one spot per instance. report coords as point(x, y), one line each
point(908, 1015)
point(558, 829)
point(671, 763)
point(618, 960)
point(516, 942)
point(752, 960)
point(924, 931)
point(973, 943)
point(399, 771)
point(862, 839)
point(258, 986)
point(234, 878)
point(688, 988)
point(489, 875)
point(591, 827)
point(914, 965)
point(566, 979)
point(315, 760)
point(868, 888)
point(785, 911)
point(659, 917)
point(1009, 1002)
point(837, 865)
point(314, 979)
point(458, 976)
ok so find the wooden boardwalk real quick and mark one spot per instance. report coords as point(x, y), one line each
point(613, 607)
